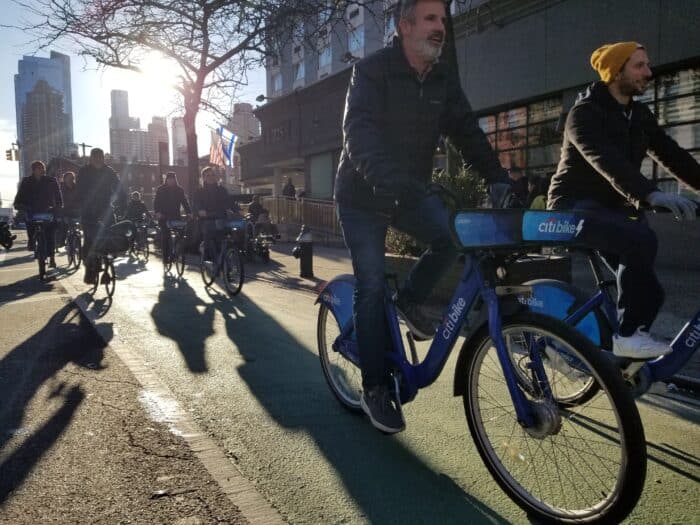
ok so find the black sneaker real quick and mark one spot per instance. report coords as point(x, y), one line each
point(383, 410)
point(90, 278)
point(418, 323)
point(52, 263)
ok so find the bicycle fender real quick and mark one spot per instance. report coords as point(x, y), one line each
point(337, 295)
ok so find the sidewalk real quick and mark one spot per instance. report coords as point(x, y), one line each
point(79, 440)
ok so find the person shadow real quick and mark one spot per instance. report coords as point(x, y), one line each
point(32, 364)
point(182, 316)
point(386, 479)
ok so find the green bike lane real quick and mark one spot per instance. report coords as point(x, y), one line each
point(247, 371)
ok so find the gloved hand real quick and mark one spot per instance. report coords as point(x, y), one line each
point(502, 195)
point(385, 197)
point(682, 208)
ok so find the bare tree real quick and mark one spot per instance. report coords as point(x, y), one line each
point(212, 43)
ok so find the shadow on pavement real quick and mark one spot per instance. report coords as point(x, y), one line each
point(180, 315)
point(24, 288)
point(386, 480)
point(31, 364)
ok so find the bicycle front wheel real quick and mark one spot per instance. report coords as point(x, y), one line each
point(581, 463)
point(233, 271)
point(110, 278)
point(180, 256)
point(343, 377)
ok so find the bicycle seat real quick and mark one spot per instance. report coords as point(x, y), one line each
point(41, 217)
point(176, 224)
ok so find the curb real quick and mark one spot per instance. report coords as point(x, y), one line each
point(253, 506)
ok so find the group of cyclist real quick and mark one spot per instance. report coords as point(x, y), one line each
point(95, 197)
point(403, 98)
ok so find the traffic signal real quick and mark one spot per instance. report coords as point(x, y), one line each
point(8, 154)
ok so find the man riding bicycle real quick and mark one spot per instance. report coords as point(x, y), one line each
point(39, 193)
point(99, 190)
point(212, 201)
point(401, 99)
point(167, 204)
point(606, 138)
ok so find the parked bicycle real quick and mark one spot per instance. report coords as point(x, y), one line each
point(228, 259)
point(39, 223)
point(560, 462)
point(139, 248)
point(175, 254)
point(596, 317)
point(74, 242)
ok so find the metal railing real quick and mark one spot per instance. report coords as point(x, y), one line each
point(317, 214)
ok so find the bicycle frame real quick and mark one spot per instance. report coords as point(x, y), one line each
point(420, 375)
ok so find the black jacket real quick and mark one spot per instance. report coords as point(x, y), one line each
point(603, 149)
point(393, 121)
point(213, 199)
point(71, 202)
point(135, 211)
point(98, 190)
point(38, 195)
point(168, 201)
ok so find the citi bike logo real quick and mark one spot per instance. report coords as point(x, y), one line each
point(693, 337)
point(554, 225)
point(452, 317)
point(330, 299)
point(531, 301)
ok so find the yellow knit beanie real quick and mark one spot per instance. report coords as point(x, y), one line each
point(608, 60)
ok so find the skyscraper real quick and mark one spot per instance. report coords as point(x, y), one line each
point(44, 108)
point(120, 118)
point(179, 141)
point(127, 142)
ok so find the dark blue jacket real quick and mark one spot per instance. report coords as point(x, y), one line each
point(98, 190)
point(213, 199)
point(168, 201)
point(393, 121)
point(603, 150)
point(38, 195)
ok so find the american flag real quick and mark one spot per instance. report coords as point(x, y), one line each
point(216, 151)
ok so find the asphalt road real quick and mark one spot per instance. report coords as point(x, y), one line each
point(247, 371)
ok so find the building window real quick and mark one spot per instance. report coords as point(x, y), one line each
point(324, 57)
point(356, 41)
point(277, 83)
point(299, 74)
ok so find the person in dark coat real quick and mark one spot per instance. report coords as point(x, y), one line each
point(607, 136)
point(71, 206)
point(39, 193)
point(99, 192)
point(212, 201)
point(400, 101)
point(168, 204)
point(288, 190)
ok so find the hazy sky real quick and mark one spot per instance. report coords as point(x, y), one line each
point(91, 98)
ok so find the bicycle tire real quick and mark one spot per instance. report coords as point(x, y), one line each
point(40, 253)
point(607, 504)
point(342, 376)
point(232, 269)
point(146, 249)
point(180, 256)
point(112, 282)
point(205, 270)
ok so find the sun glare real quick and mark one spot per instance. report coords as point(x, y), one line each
point(154, 88)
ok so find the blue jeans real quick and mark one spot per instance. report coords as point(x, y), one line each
point(629, 246)
point(365, 234)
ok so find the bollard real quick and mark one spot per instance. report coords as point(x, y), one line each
point(304, 251)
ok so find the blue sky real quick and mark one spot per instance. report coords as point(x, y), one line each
point(91, 99)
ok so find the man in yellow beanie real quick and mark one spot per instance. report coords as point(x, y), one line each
point(607, 136)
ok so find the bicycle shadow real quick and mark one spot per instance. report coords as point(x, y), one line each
point(182, 316)
point(387, 480)
point(24, 288)
point(33, 364)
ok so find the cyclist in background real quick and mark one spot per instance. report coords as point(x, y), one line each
point(39, 193)
point(99, 191)
point(607, 135)
point(167, 205)
point(71, 207)
point(211, 203)
point(136, 210)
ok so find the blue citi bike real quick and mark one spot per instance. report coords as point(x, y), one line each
point(595, 315)
point(39, 222)
point(228, 258)
point(562, 462)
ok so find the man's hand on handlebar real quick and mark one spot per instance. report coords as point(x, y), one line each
point(682, 208)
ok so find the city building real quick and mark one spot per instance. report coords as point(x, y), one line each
point(521, 64)
point(127, 142)
point(44, 109)
point(179, 141)
point(246, 127)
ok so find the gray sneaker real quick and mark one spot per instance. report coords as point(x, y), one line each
point(420, 325)
point(383, 410)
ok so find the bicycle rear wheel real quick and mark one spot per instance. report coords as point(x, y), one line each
point(343, 377)
point(180, 256)
point(583, 463)
point(233, 271)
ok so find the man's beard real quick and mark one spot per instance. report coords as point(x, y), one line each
point(428, 51)
point(633, 89)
